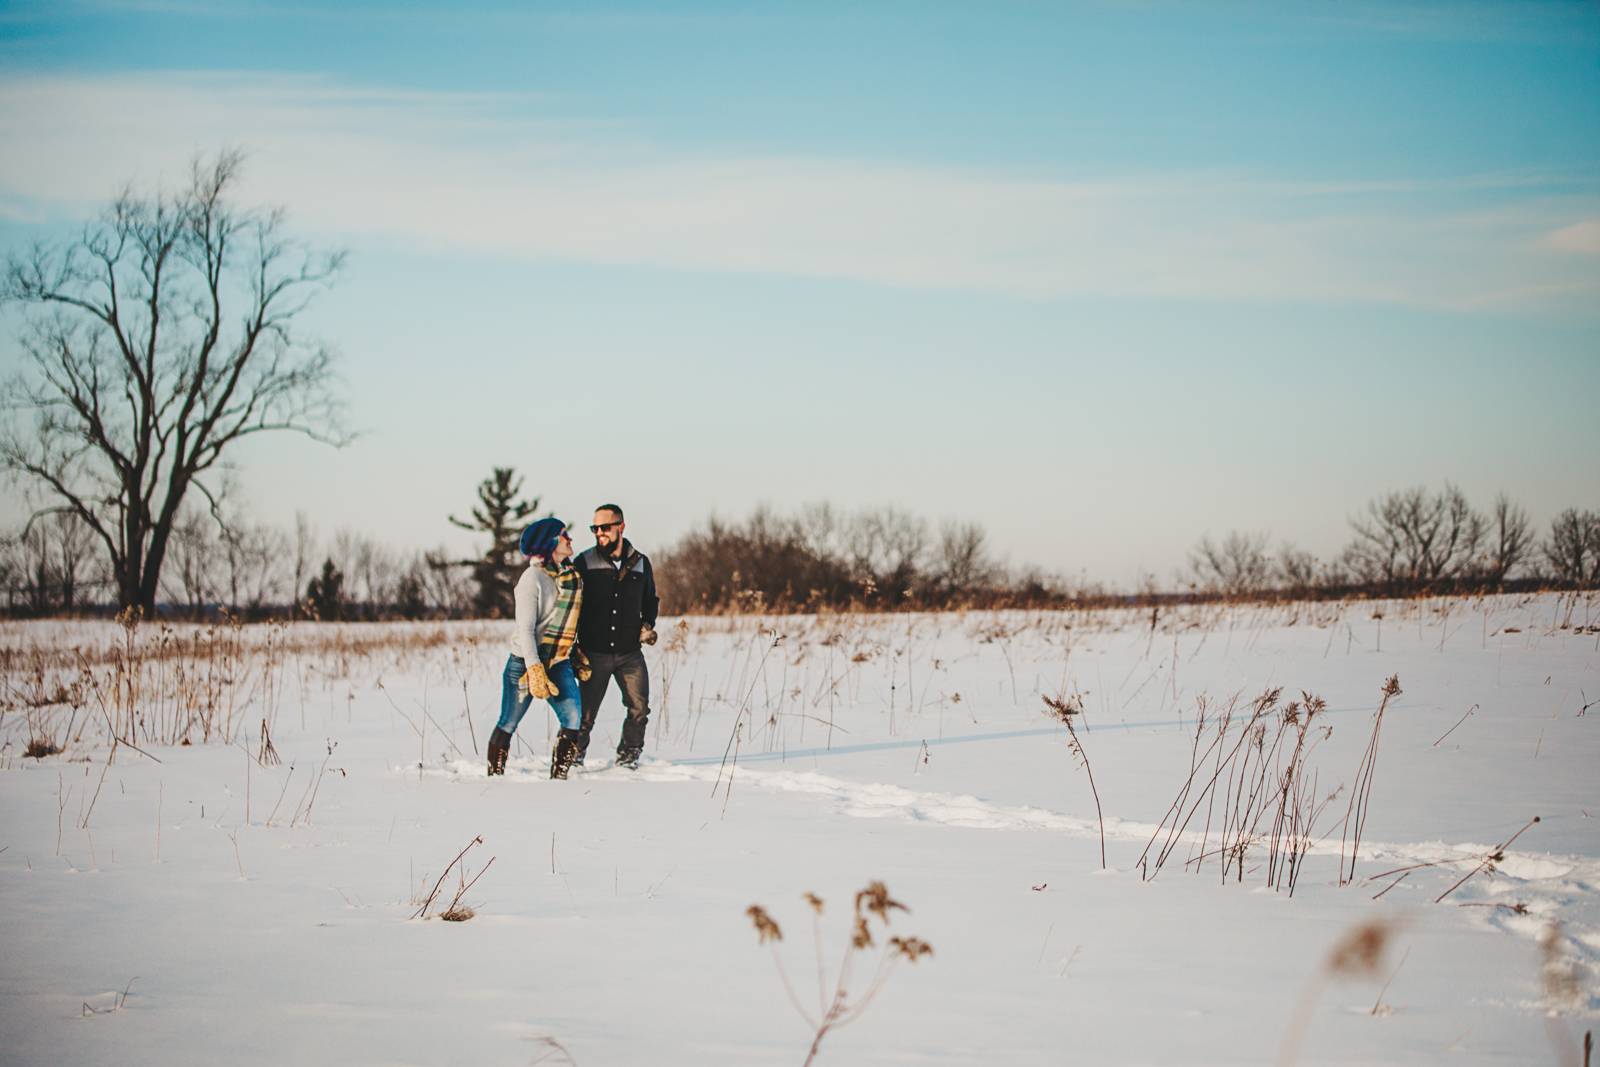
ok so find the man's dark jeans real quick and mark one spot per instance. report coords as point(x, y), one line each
point(633, 678)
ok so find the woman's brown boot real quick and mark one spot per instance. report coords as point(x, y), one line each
point(499, 751)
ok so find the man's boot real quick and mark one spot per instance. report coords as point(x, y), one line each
point(632, 745)
point(566, 752)
point(499, 751)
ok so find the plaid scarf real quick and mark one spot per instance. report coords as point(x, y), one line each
point(561, 632)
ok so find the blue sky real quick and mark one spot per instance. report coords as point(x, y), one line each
point(1103, 276)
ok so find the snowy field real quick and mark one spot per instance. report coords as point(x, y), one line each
point(236, 901)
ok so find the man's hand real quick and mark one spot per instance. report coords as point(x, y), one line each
point(581, 666)
point(647, 634)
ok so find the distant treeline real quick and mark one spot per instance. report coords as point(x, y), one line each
point(1410, 542)
point(250, 571)
point(880, 560)
point(1404, 543)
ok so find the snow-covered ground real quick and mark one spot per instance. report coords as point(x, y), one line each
point(194, 904)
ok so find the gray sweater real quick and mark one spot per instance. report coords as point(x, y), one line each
point(535, 595)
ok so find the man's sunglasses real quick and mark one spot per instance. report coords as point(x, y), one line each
point(604, 526)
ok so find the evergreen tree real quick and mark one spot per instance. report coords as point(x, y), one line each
point(502, 516)
point(325, 593)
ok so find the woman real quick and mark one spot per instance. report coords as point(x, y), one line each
point(548, 598)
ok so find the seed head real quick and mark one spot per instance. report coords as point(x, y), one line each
point(1359, 954)
point(767, 928)
point(1063, 710)
point(912, 948)
point(876, 900)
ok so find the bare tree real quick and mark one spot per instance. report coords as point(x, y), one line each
point(1414, 538)
point(1296, 568)
point(154, 341)
point(819, 528)
point(343, 554)
point(1509, 543)
point(1573, 548)
point(372, 571)
point(12, 572)
point(256, 573)
point(1238, 564)
point(445, 588)
point(34, 566)
point(305, 551)
point(72, 543)
point(196, 557)
point(888, 547)
point(961, 561)
point(48, 563)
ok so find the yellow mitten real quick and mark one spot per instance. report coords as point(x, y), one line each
point(537, 682)
point(580, 665)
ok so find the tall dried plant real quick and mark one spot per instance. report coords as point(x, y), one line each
point(836, 1008)
point(1355, 817)
point(1066, 711)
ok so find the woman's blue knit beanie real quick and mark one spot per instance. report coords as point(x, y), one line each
point(540, 538)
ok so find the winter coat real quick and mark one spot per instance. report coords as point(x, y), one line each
point(617, 601)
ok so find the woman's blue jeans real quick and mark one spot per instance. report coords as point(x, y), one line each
point(567, 704)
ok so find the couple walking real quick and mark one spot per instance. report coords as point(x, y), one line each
point(579, 624)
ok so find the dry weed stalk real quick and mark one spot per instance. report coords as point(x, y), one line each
point(1562, 979)
point(456, 911)
point(1559, 971)
point(1253, 775)
point(1355, 816)
point(158, 683)
point(116, 1005)
point(551, 1048)
point(1065, 711)
point(308, 799)
point(1297, 804)
point(1490, 860)
point(742, 712)
point(1358, 955)
point(1182, 811)
point(267, 755)
point(1459, 721)
point(837, 1008)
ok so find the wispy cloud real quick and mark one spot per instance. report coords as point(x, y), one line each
point(1583, 237)
point(497, 173)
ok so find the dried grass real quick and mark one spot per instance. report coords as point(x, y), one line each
point(838, 1007)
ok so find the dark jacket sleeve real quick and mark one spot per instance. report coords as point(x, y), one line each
point(651, 603)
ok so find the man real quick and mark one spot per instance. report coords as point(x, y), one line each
point(619, 615)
